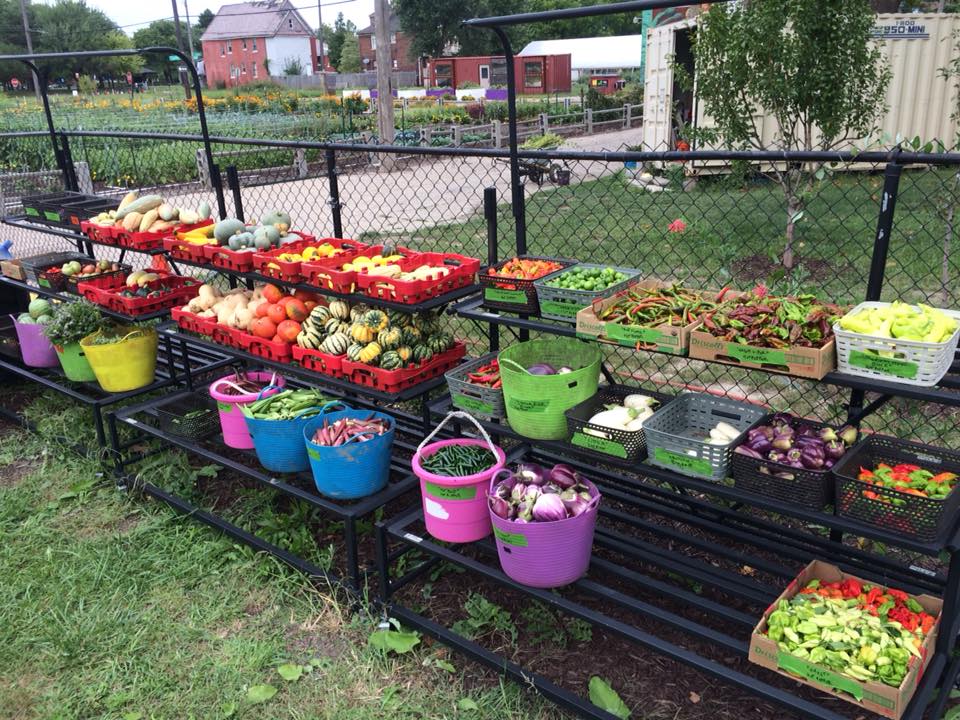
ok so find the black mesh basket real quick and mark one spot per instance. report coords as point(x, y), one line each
point(811, 489)
point(192, 416)
point(605, 443)
point(9, 342)
point(516, 295)
point(915, 516)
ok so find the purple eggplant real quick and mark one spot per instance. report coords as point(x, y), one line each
point(531, 473)
point(563, 476)
point(500, 507)
point(762, 445)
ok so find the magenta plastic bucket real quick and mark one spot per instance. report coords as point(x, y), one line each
point(455, 508)
point(546, 554)
point(232, 421)
point(35, 349)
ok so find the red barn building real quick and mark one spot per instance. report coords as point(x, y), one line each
point(249, 41)
point(534, 73)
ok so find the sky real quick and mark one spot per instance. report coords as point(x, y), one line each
point(131, 15)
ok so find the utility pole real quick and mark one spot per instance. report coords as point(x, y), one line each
point(381, 23)
point(26, 32)
point(184, 77)
point(186, 12)
point(320, 34)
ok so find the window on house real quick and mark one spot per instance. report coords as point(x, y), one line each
point(395, 66)
point(290, 22)
point(373, 42)
point(243, 46)
point(532, 74)
point(254, 45)
point(443, 75)
point(223, 49)
point(230, 47)
point(393, 38)
point(243, 68)
point(255, 70)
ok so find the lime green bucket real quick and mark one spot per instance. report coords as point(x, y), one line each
point(73, 360)
point(536, 403)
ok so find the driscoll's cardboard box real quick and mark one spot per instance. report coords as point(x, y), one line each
point(794, 360)
point(875, 696)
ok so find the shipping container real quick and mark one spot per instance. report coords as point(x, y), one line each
point(920, 102)
point(535, 74)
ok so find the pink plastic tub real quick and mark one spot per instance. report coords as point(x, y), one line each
point(232, 421)
point(455, 508)
point(546, 554)
point(35, 349)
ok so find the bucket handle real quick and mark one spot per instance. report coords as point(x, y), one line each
point(516, 365)
point(329, 407)
point(465, 416)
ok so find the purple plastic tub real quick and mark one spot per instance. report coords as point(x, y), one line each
point(35, 349)
point(496, 94)
point(232, 421)
point(546, 554)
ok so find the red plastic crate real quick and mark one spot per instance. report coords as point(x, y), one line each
point(224, 257)
point(261, 347)
point(463, 271)
point(99, 233)
point(108, 278)
point(226, 336)
point(392, 381)
point(153, 240)
point(290, 271)
point(183, 250)
point(180, 291)
point(324, 274)
point(193, 322)
point(318, 361)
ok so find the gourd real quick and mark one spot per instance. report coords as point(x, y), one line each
point(390, 338)
point(276, 217)
point(339, 309)
point(411, 336)
point(188, 217)
point(353, 352)
point(437, 344)
point(427, 322)
point(376, 320)
point(398, 318)
point(331, 326)
point(390, 360)
point(261, 241)
point(167, 212)
point(140, 205)
point(320, 314)
point(131, 222)
point(148, 219)
point(127, 199)
point(369, 354)
point(362, 333)
point(405, 353)
point(224, 229)
point(358, 311)
point(422, 353)
point(204, 210)
point(336, 344)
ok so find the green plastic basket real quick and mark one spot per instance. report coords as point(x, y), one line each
point(536, 403)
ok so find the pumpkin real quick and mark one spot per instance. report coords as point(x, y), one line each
point(320, 314)
point(437, 344)
point(376, 320)
point(335, 344)
point(353, 352)
point(398, 318)
point(411, 336)
point(390, 360)
point(362, 333)
point(422, 353)
point(427, 322)
point(369, 354)
point(358, 311)
point(405, 353)
point(390, 338)
point(339, 309)
point(331, 326)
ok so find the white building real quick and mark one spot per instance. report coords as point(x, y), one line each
point(593, 56)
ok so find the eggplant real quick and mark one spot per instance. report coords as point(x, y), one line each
point(835, 449)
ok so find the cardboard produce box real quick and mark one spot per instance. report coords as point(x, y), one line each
point(13, 269)
point(662, 338)
point(804, 362)
point(875, 696)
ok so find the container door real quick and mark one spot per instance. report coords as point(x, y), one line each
point(484, 76)
point(658, 88)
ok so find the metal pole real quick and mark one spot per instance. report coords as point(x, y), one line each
point(334, 200)
point(179, 34)
point(233, 182)
point(881, 241)
point(320, 37)
point(519, 201)
point(384, 70)
point(26, 33)
point(490, 215)
point(186, 12)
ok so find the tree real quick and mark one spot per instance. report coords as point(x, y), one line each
point(350, 55)
point(342, 29)
point(203, 21)
point(292, 66)
point(809, 65)
point(161, 32)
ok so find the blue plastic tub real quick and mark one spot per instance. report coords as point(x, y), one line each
point(279, 443)
point(354, 470)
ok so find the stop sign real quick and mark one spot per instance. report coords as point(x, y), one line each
point(15, 82)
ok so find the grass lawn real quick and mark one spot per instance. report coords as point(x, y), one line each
point(113, 607)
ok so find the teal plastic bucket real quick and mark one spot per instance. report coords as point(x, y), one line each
point(354, 470)
point(279, 443)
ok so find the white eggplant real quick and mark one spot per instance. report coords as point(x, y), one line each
point(616, 418)
point(639, 402)
point(728, 430)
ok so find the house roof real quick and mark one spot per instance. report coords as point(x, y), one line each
point(619, 51)
point(370, 29)
point(261, 18)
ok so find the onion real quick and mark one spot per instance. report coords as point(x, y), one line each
point(542, 369)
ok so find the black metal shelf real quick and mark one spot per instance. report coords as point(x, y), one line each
point(68, 297)
point(21, 221)
point(314, 378)
point(432, 303)
point(473, 309)
point(407, 531)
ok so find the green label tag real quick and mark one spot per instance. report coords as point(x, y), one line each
point(43, 282)
point(592, 442)
point(757, 355)
point(818, 674)
point(514, 297)
point(630, 335)
point(682, 462)
point(534, 406)
point(887, 366)
point(51, 216)
point(32, 212)
point(314, 453)
point(515, 539)
point(465, 402)
point(224, 407)
point(563, 309)
point(446, 492)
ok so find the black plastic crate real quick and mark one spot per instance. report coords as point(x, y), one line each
point(811, 489)
point(88, 206)
point(516, 295)
point(915, 516)
point(192, 416)
point(605, 443)
point(35, 264)
point(33, 205)
point(51, 208)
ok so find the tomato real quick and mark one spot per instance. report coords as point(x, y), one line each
point(272, 293)
point(263, 327)
point(310, 305)
point(288, 330)
point(262, 309)
point(296, 310)
point(276, 339)
point(305, 296)
point(276, 313)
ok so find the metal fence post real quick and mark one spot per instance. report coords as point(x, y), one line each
point(544, 123)
point(881, 241)
point(497, 134)
point(588, 118)
point(626, 115)
point(457, 135)
point(233, 182)
point(334, 200)
point(300, 163)
point(70, 172)
point(84, 179)
point(490, 215)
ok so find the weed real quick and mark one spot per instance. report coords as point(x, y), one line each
point(485, 618)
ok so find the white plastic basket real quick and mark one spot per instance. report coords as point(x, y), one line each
point(913, 362)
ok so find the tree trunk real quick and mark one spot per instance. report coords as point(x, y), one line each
point(794, 205)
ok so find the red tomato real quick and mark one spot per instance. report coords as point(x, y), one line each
point(262, 309)
point(272, 293)
point(297, 310)
point(276, 313)
point(263, 327)
point(288, 330)
point(305, 296)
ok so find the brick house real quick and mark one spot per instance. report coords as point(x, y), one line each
point(249, 41)
point(403, 57)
